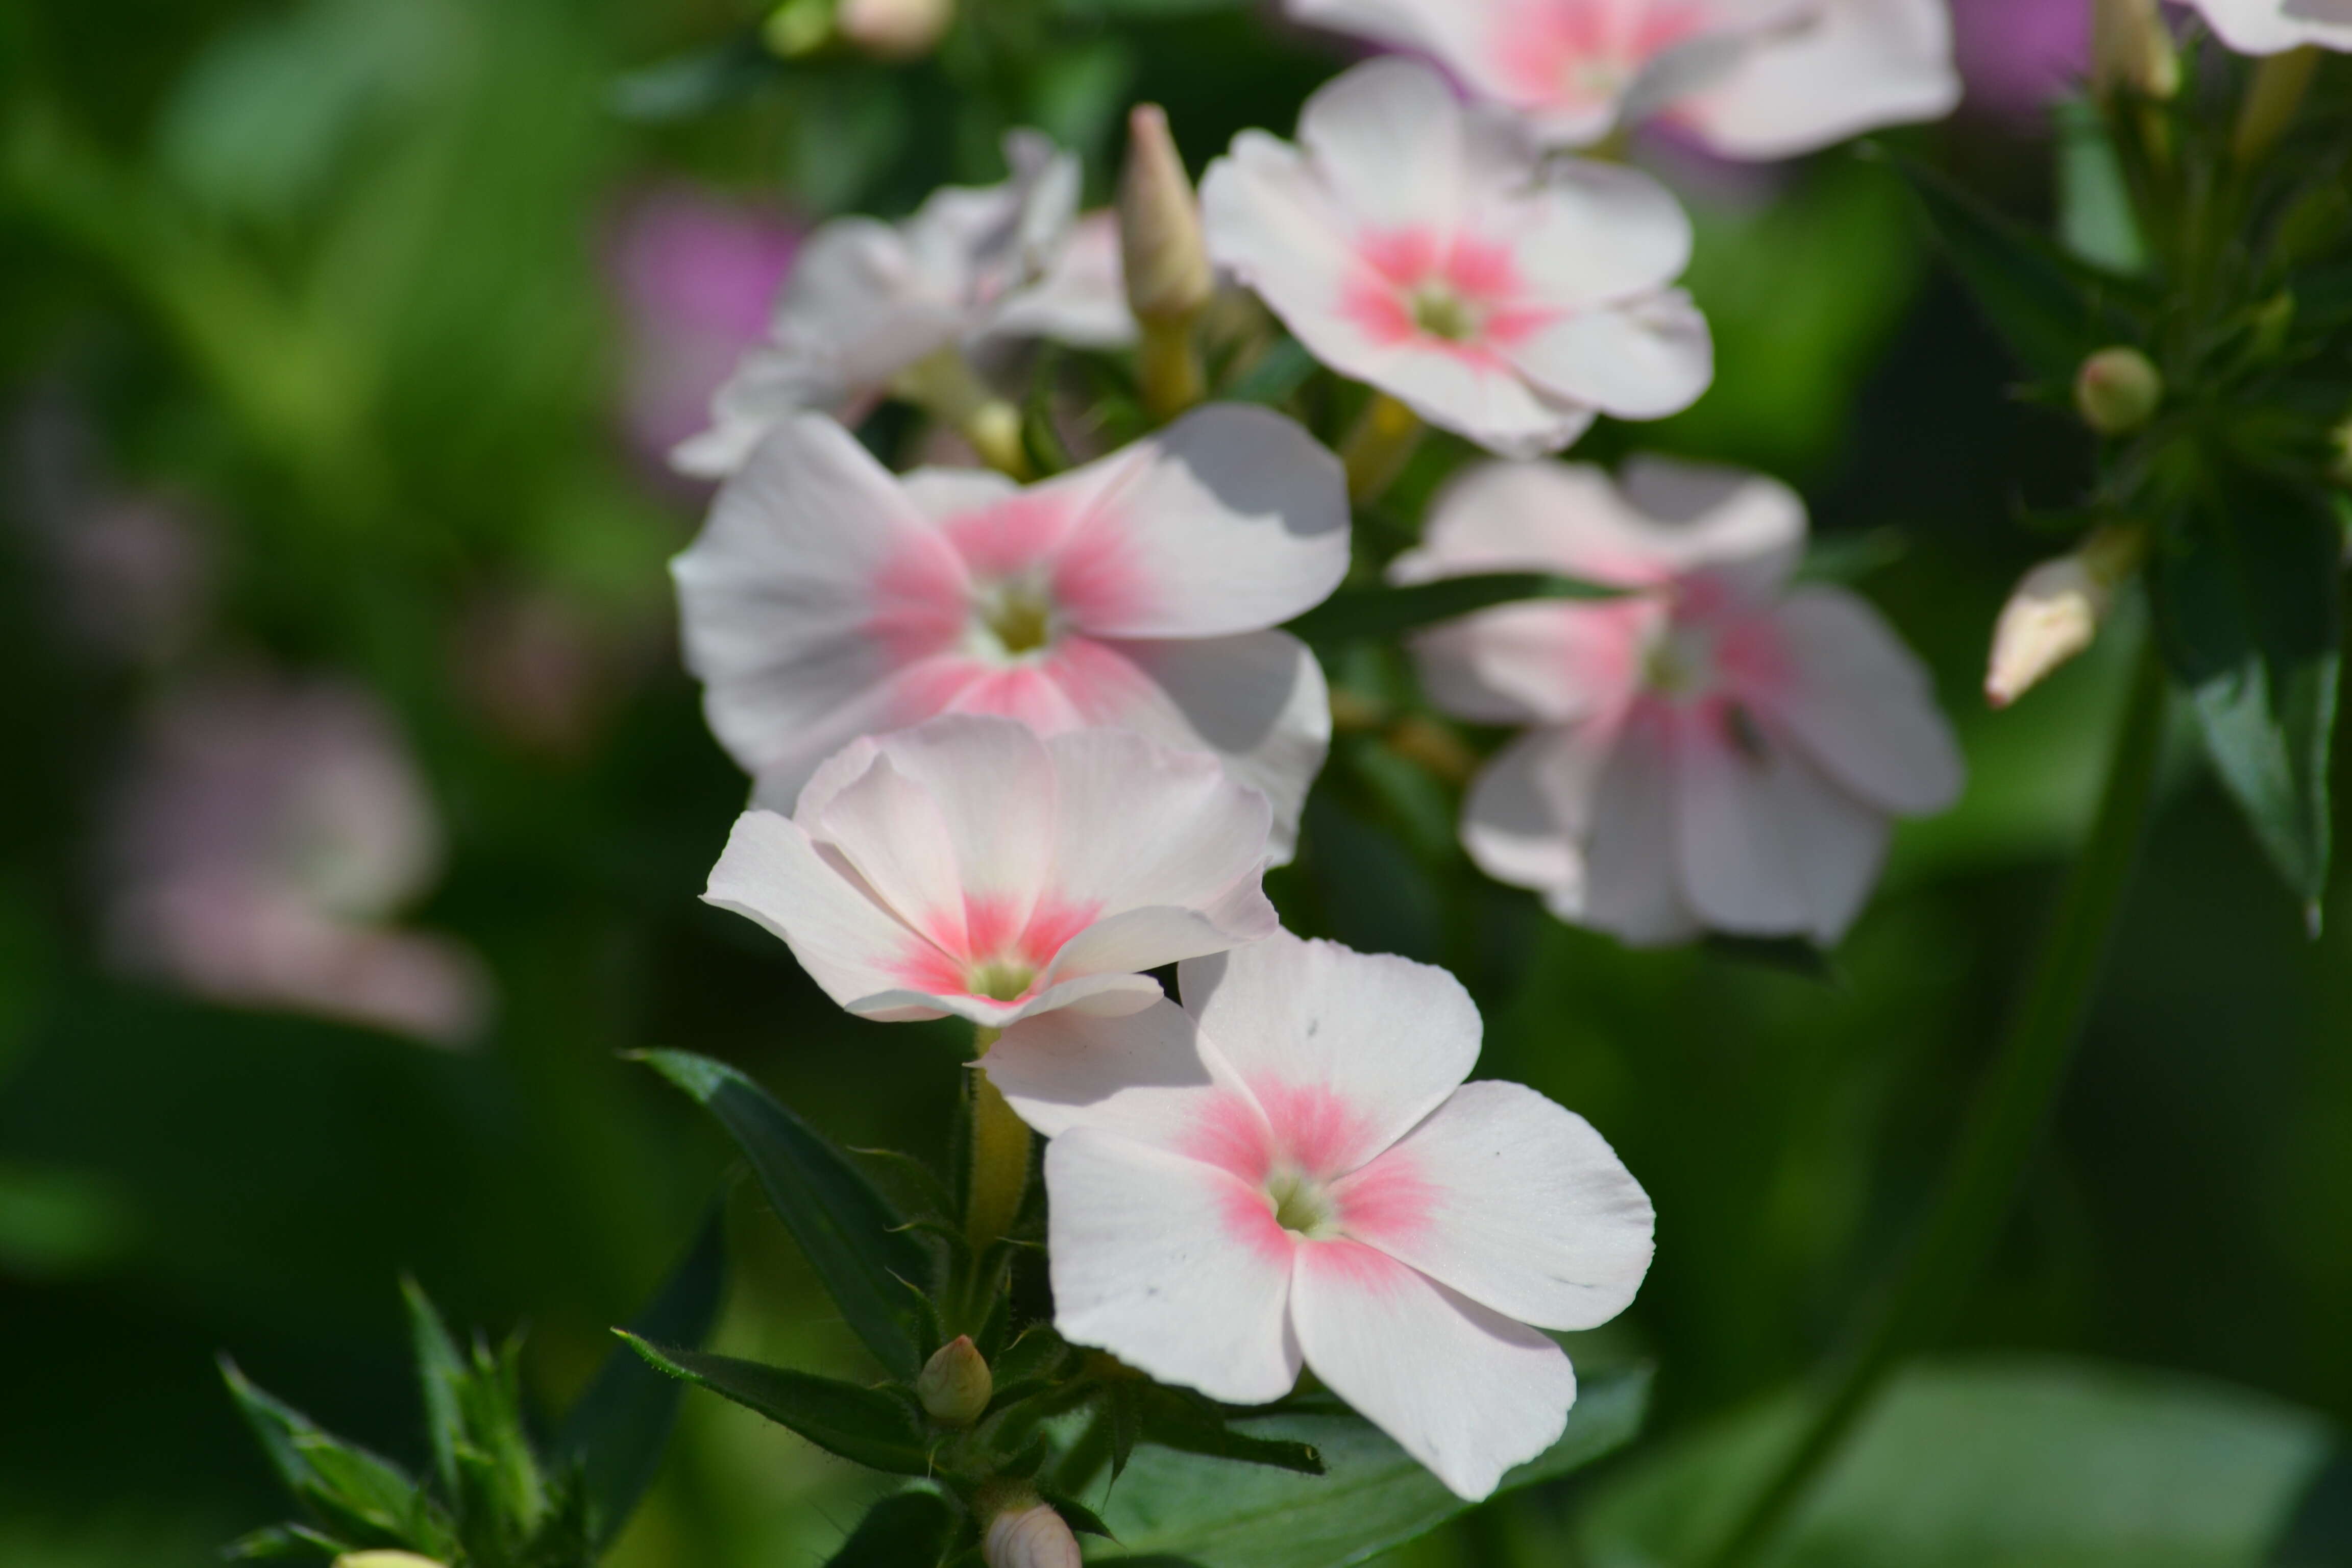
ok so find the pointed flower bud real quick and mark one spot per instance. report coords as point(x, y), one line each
point(2131, 49)
point(384, 1560)
point(2117, 391)
point(2055, 612)
point(895, 29)
point(1166, 260)
point(954, 1385)
point(1030, 1535)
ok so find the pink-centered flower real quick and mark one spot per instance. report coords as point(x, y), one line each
point(1716, 749)
point(828, 599)
point(967, 866)
point(1751, 79)
point(1439, 257)
point(868, 301)
point(2268, 26)
point(1289, 1170)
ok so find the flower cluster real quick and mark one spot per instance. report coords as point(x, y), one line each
point(1020, 738)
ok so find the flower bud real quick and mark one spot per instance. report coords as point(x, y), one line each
point(1166, 260)
point(2055, 612)
point(895, 29)
point(2117, 391)
point(1030, 1537)
point(2131, 49)
point(384, 1560)
point(954, 1385)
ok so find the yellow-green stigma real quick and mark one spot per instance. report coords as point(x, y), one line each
point(1301, 1206)
point(999, 981)
point(1020, 617)
point(1442, 313)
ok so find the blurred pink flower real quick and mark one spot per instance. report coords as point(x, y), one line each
point(696, 274)
point(267, 832)
point(2017, 55)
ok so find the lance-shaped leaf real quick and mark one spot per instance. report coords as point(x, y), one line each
point(852, 1237)
point(2050, 310)
point(1360, 613)
point(616, 1433)
point(1211, 1513)
point(1192, 1425)
point(2246, 603)
point(865, 1424)
point(910, 1530)
point(442, 1375)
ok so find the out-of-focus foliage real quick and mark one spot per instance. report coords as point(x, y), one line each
point(329, 288)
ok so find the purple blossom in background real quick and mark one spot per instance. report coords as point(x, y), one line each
point(697, 275)
point(265, 837)
point(2018, 55)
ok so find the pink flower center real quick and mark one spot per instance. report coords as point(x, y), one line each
point(1460, 294)
point(1586, 53)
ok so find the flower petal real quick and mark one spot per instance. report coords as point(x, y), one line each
point(1591, 234)
point(1174, 1267)
point(1345, 1050)
point(2267, 27)
point(769, 387)
point(1858, 66)
point(1745, 531)
point(1144, 1076)
point(1645, 359)
point(1513, 1201)
point(1765, 845)
point(771, 874)
point(1388, 138)
point(1530, 809)
point(1258, 701)
point(1861, 704)
point(810, 597)
point(1539, 516)
point(1631, 881)
point(1230, 520)
point(1461, 1388)
point(1082, 298)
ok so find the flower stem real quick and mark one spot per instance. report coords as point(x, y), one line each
point(2277, 91)
point(946, 387)
point(1378, 448)
point(2004, 1127)
point(1000, 1157)
point(1168, 364)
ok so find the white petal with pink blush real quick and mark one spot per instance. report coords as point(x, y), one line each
point(866, 301)
point(969, 867)
point(828, 599)
point(1440, 256)
point(1288, 1170)
point(1748, 78)
point(1713, 750)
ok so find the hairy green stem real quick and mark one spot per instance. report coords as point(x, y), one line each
point(2003, 1129)
point(1000, 1157)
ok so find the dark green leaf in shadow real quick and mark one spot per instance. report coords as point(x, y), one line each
point(1993, 1460)
point(1192, 1425)
point(2246, 604)
point(864, 1425)
point(1213, 1513)
point(1276, 374)
point(910, 1530)
point(1794, 955)
point(2052, 311)
point(619, 1430)
point(852, 1237)
point(1387, 612)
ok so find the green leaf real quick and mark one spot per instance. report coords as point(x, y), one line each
point(851, 1234)
point(2052, 311)
point(2045, 1462)
point(911, 1530)
point(276, 1422)
point(443, 1375)
point(1276, 374)
point(1192, 1425)
point(617, 1432)
point(864, 1425)
point(2246, 603)
point(1187, 1508)
point(353, 1489)
point(279, 1542)
point(1382, 612)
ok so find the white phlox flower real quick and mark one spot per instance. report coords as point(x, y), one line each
point(828, 599)
point(1717, 749)
point(967, 866)
point(1289, 1170)
point(868, 302)
point(1748, 78)
point(1439, 257)
point(2268, 26)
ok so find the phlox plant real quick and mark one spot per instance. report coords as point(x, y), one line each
point(1226, 1229)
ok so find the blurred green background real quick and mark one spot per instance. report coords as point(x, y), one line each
point(339, 341)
